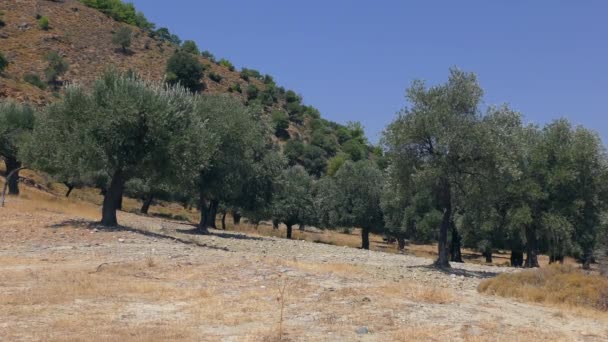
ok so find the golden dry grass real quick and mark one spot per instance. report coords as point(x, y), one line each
point(555, 284)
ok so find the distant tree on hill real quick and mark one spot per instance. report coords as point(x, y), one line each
point(56, 67)
point(185, 69)
point(122, 38)
point(190, 47)
point(208, 55)
point(280, 120)
point(16, 123)
point(164, 34)
point(226, 63)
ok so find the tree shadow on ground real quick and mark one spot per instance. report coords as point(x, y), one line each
point(218, 233)
point(459, 272)
point(85, 224)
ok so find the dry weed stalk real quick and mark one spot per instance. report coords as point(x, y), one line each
point(281, 287)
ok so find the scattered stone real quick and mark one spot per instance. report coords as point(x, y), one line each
point(362, 331)
point(121, 240)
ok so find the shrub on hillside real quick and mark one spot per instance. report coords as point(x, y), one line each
point(235, 88)
point(122, 38)
point(43, 23)
point(56, 67)
point(215, 77)
point(190, 47)
point(120, 11)
point(164, 35)
point(208, 55)
point(185, 69)
point(34, 80)
point(252, 92)
point(226, 63)
point(280, 120)
point(246, 74)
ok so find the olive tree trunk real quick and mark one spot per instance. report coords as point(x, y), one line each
point(213, 213)
point(236, 218)
point(12, 166)
point(289, 230)
point(147, 202)
point(203, 226)
point(224, 219)
point(365, 238)
point(70, 188)
point(531, 247)
point(517, 258)
point(442, 246)
point(455, 244)
point(112, 200)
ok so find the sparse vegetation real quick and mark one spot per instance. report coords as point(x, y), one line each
point(183, 68)
point(215, 77)
point(56, 67)
point(122, 38)
point(43, 23)
point(556, 284)
point(208, 55)
point(34, 80)
point(226, 63)
point(121, 11)
point(190, 47)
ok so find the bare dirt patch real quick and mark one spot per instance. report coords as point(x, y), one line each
point(63, 278)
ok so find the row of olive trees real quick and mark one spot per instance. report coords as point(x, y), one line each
point(490, 182)
point(126, 132)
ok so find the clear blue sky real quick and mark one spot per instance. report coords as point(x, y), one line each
point(353, 60)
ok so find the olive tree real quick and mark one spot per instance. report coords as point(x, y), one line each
point(122, 38)
point(293, 202)
point(435, 143)
point(16, 123)
point(124, 127)
point(353, 199)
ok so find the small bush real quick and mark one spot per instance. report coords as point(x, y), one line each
point(184, 68)
point(215, 77)
point(190, 47)
point(34, 80)
point(252, 92)
point(226, 63)
point(122, 38)
point(3, 62)
point(56, 67)
point(555, 284)
point(235, 88)
point(208, 55)
point(43, 23)
point(280, 121)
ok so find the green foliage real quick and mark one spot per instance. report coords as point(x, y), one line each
point(16, 122)
point(335, 163)
point(235, 88)
point(293, 202)
point(120, 11)
point(246, 74)
point(325, 140)
point(43, 23)
point(185, 69)
point(164, 34)
point(56, 67)
point(351, 198)
point(122, 37)
point(34, 80)
point(280, 122)
point(252, 92)
point(355, 149)
point(215, 77)
point(208, 55)
point(190, 47)
point(226, 63)
point(123, 128)
point(3, 62)
point(314, 160)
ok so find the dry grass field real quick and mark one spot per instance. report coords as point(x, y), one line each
point(63, 278)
